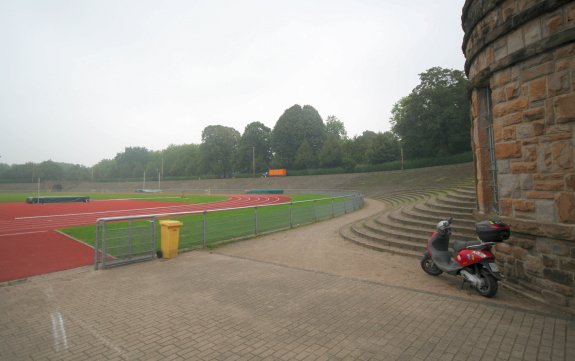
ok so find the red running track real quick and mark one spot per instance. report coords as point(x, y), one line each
point(30, 246)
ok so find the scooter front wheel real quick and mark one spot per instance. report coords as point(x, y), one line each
point(429, 266)
point(490, 286)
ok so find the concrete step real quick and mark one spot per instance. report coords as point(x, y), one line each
point(450, 200)
point(406, 228)
point(348, 234)
point(399, 218)
point(410, 212)
point(440, 214)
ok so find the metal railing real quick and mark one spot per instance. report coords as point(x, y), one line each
point(123, 240)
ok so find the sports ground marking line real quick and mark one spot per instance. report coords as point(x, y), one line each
point(21, 233)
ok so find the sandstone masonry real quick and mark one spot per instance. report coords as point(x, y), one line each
point(521, 64)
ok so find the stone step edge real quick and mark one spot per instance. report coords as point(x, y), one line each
point(346, 233)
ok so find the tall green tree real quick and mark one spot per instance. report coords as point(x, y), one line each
point(181, 160)
point(254, 147)
point(335, 127)
point(331, 154)
point(132, 162)
point(383, 148)
point(295, 126)
point(218, 149)
point(305, 157)
point(434, 119)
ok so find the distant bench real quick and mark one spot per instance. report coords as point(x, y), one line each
point(57, 199)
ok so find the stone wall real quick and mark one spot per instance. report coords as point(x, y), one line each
point(523, 51)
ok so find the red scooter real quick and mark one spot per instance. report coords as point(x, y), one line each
point(474, 260)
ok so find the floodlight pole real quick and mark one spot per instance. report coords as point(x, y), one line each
point(254, 160)
point(144, 184)
point(159, 186)
point(38, 198)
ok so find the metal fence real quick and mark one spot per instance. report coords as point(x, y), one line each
point(122, 240)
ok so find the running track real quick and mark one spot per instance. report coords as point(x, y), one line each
point(29, 244)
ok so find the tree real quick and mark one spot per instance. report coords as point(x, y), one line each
point(331, 154)
point(218, 149)
point(181, 160)
point(383, 148)
point(254, 147)
point(434, 119)
point(335, 127)
point(131, 163)
point(104, 170)
point(295, 126)
point(305, 156)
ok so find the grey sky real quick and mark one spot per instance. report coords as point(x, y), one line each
point(81, 80)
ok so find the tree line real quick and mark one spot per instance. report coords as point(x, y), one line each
point(432, 121)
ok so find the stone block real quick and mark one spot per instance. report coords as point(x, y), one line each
point(570, 182)
point(523, 205)
point(545, 211)
point(508, 150)
point(538, 71)
point(509, 185)
point(503, 248)
point(559, 83)
point(565, 203)
point(529, 153)
point(540, 195)
point(524, 167)
point(519, 253)
point(554, 298)
point(512, 90)
point(526, 182)
point(532, 31)
point(564, 51)
point(515, 41)
point(564, 108)
point(549, 261)
point(503, 166)
point(500, 78)
point(552, 23)
point(562, 153)
point(508, 134)
point(510, 107)
point(538, 89)
point(559, 276)
point(506, 206)
point(547, 185)
point(534, 114)
point(567, 264)
point(553, 247)
point(533, 265)
point(510, 119)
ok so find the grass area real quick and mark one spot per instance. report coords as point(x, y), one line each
point(158, 197)
point(220, 225)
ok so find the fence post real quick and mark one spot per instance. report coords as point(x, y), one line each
point(332, 210)
point(130, 240)
point(154, 239)
point(315, 210)
point(255, 221)
point(204, 229)
point(104, 245)
point(290, 215)
point(96, 245)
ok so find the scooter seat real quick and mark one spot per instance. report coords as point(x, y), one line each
point(460, 245)
point(445, 263)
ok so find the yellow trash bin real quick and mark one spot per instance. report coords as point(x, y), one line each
point(170, 238)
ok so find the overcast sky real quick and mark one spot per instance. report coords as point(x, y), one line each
point(80, 80)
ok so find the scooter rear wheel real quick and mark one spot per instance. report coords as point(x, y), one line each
point(429, 266)
point(490, 286)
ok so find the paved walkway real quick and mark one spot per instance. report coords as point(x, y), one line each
point(231, 305)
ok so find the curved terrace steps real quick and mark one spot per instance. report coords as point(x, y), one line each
point(405, 228)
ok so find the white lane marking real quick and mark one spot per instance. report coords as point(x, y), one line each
point(18, 234)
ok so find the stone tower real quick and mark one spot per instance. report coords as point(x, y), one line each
point(520, 60)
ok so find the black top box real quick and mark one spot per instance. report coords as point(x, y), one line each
point(492, 231)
